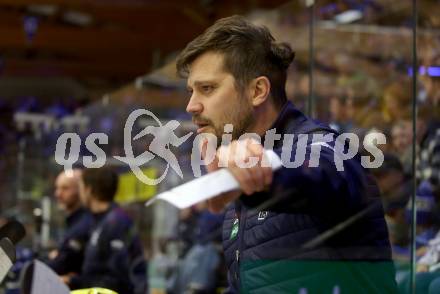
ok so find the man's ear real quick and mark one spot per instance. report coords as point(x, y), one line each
point(261, 90)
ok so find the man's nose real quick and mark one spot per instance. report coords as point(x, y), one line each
point(194, 107)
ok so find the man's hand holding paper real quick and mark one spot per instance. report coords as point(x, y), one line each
point(244, 160)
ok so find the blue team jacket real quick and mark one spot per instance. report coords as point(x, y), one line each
point(114, 256)
point(71, 249)
point(264, 235)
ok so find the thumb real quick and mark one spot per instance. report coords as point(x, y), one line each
point(211, 160)
point(203, 147)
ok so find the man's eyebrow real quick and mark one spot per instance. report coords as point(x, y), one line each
point(202, 82)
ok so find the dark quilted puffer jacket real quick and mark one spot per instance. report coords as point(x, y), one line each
point(287, 239)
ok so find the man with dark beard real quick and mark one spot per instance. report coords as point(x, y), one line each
point(273, 234)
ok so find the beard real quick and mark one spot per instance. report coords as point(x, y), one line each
point(240, 116)
point(69, 206)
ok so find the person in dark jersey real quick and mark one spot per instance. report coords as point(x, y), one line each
point(114, 256)
point(68, 257)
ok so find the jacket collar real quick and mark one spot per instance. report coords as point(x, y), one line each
point(289, 118)
point(74, 217)
point(288, 113)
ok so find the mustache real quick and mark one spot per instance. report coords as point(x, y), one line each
point(198, 119)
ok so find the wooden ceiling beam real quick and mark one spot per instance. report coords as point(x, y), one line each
point(21, 67)
point(76, 3)
point(119, 42)
point(74, 42)
point(93, 39)
point(156, 16)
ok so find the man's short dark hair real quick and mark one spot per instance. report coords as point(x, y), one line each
point(103, 182)
point(249, 51)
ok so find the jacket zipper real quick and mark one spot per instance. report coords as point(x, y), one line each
point(241, 229)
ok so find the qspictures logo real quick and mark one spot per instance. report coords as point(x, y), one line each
point(295, 150)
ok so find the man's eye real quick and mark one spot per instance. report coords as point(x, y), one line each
point(207, 88)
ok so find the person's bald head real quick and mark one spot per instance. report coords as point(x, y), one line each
point(67, 190)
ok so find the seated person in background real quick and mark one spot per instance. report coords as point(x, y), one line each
point(401, 142)
point(395, 188)
point(428, 161)
point(396, 101)
point(430, 261)
point(198, 271)
point(68, 258)
point(114, 256)
point(427, 223)
point(341, 113)
point(428, 249)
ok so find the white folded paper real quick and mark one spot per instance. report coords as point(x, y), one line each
point(7, 257)
point(38, 278)
point(207, 186)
